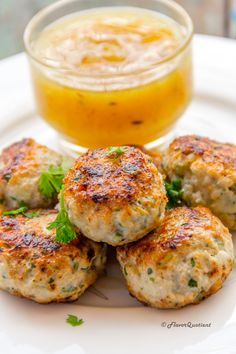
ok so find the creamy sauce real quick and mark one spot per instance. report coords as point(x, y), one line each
point(109, 42)
point(102, 95)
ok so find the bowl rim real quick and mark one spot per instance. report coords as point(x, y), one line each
point(39, 16)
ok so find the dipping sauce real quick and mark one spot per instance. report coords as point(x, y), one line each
point(105, 76)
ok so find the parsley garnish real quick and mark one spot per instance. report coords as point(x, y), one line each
point(65, 231)
point(74, 321)
point(51, 180)
point(174, 193)
point(32, 214)
point(192, 260)
point(117, 151)
point(7, 177)
point(22, 208)
point(192, 283)
point(149, 271)
point(16, 211)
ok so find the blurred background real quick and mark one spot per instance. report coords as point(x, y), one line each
point(213, 17)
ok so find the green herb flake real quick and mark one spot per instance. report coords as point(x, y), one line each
point(219, 242)
point(69, 289)
point(116, 151)
point(192, 283)
point(65, 231)
point(75, 265)
point(22, 208)
point(174, 193)
point(74, 321)
point(7, 177)
point(78, 176)
point(33, 214)
point(149, 271)
point(192, 260)
point(51, 180)
point(119, 230)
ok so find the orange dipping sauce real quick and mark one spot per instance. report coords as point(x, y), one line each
point(107, 78)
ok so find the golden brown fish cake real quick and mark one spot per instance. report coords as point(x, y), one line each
point(21, 165)
point(208, 172)
point(183, 261)
point(114, 196)
point(33, 265)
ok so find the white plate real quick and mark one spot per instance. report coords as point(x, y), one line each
point(120, 324)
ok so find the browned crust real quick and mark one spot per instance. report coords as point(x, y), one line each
point(20, 236)
point(100, 176)
point(156, 156)
point(222, 155)
point(26, 247)
point(177, 229)
point(19, 157)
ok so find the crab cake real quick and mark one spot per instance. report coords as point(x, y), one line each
point(34, 266)
point(114, 195)
point(208, 172)
point(21, 165)
point(183, 261)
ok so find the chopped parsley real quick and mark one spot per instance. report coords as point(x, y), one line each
point(192, 283)
point(116, 151)
point(149, 271)
point(16, 211)
point(119, 230)
point(14, 198)
point(33, 214)
point(192, 260)
point(7, 177)
point(75, 265)
point(51, 180)
point(74, 321)
point(174, 193)
point(22, 208)
point(65, 231)
point(68, 289)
